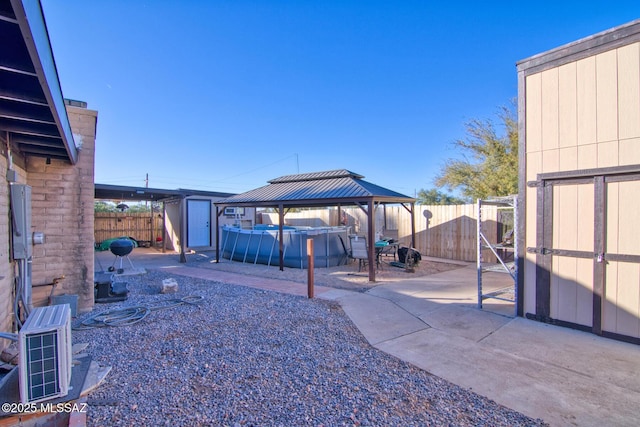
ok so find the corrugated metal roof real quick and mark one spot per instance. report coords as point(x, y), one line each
point(312, 176)
point(318, 188)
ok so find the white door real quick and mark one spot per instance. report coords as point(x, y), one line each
point(198, 223)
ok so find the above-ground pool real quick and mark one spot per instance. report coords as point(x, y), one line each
point(260, 245)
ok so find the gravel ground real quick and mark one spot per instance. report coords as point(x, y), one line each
point(247, 357)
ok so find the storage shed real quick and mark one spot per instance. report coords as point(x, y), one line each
point(579, 127)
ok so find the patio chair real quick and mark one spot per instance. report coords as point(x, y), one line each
point(359, 250)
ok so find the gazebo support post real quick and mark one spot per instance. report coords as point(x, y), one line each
point(370, 238)
point(281, 234)
point(413, 225)
point(217, 234)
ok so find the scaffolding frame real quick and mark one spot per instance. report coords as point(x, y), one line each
point(509, 293)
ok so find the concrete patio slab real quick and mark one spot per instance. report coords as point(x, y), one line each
point(379, 319)
point(464, 321)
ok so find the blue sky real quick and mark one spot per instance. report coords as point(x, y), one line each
point(225, 95)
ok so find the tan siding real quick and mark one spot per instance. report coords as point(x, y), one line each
point(550, 109)
point(568, 159)
point(608, 154)
point(629, 218)
point(586, 98)
point(534, 113)
point(622, 292)
point(529, 297)
point(585, 218)
point(628, 300)
point(584, 294)
point(550, 161)
point(583, 277)
point(571, 288)
point(586, 115)
point(565, 208)
point(607, 96)
point(567, 106)
point(629, 152)
point(629, 91)
point(563, 301)
point(588, 156)
point(609, 311)
point(534, 166)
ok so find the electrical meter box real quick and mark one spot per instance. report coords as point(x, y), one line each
point(21, 221)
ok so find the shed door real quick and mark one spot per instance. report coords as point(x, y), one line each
point(198, 223)
point(621, 301)
point(588, 262)
point(572, 256)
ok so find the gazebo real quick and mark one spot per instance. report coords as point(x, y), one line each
point(317, 189)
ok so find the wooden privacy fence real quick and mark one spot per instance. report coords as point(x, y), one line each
point(140, 226)
point(442, 231)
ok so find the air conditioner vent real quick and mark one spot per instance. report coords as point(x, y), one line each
point(45, 354)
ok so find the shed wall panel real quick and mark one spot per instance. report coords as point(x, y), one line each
point(629, 91)
point(607, 96)
point(568, 159)
point(586, 98)
point(550, 116)
point(608, 154)
point(585, 218)
point(573, 219)
point(621, 311)
point(567, 105)
point(629, 152)
point(534, 113)
point(588, 156)
point(628, 213)
point(584, 291)
point(550, 161)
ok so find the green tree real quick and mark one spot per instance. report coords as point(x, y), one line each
point(102, 206)
point(136, 207)
point(436, 197)
point(489, 166)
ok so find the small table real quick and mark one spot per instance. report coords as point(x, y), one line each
point(383, 247)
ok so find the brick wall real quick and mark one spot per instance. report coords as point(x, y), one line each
point(62, 202)
point(6, 266)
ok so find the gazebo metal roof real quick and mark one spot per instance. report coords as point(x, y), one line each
point(328, 188)
point(339, 187)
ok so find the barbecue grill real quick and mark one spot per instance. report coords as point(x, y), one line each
point(121, 248)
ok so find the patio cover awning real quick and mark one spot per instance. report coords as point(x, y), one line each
point(32, 110)
point(125, 192)
point(329, 188)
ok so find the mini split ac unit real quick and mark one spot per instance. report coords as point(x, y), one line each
point(45, 354)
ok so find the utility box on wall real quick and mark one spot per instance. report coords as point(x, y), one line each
point(22, 240)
